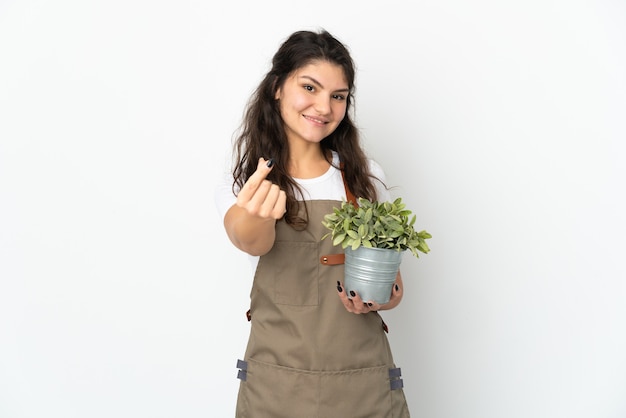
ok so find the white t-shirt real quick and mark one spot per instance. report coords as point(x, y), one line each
point(328, 186)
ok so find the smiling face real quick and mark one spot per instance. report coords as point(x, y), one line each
point(313, 101)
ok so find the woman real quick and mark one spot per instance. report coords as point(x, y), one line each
point(313, 350)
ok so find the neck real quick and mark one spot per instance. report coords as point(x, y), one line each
point(308, 163)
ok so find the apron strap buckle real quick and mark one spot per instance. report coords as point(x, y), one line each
point(242, 374)
point(395, 380)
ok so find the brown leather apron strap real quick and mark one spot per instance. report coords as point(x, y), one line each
point(333, 259)
point(382, 323)
point(349, 196)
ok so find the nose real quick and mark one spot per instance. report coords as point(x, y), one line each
point(322, 105)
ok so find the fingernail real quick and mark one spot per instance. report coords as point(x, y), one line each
point(397, 288)
point(352, 293)
point(339, 289)
point(270, 163)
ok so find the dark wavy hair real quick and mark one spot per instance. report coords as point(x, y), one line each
point(262, 133)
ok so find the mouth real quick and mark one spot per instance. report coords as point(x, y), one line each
point(315, 120)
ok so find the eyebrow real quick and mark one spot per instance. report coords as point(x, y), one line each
point(344, 90)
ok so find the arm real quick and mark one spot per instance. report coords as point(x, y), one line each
point(250, 222)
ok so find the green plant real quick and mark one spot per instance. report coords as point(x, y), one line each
point(375, 225)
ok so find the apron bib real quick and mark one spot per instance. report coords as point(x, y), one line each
point(307, 357)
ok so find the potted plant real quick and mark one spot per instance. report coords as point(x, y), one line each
point(374, 236)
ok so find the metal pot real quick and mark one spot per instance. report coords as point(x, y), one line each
point(371, 272)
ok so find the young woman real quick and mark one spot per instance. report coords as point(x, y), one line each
point(313, 350)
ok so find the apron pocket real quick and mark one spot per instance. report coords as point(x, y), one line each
point(296, 282)
point(277, 392)
point(362, 393)
point(283, 392)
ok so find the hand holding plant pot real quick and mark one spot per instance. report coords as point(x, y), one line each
point(374, 236)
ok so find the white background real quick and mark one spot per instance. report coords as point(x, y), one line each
point(500, 123)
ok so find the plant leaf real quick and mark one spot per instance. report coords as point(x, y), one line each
point(338, 239)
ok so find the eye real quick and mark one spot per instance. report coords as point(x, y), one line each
point(339, 97)
point(309, 87)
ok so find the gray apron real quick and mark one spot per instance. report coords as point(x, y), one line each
point(307, 356)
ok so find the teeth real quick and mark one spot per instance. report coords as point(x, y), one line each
point(315, 120)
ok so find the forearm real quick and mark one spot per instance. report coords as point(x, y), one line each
point(251, 234)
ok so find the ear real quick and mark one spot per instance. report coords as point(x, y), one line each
point(277, 89)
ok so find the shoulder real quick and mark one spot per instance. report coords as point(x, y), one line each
point(376, 169)
point(378, 174)
point(380, 180)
